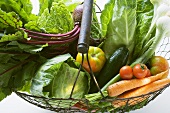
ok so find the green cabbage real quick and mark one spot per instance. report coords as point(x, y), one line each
point(56, 78)
point(56, 20)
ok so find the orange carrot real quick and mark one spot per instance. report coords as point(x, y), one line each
point(146, 89)
point(125, 85)
point(154, 86)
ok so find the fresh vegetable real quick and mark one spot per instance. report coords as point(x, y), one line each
point(111, 67)
point(162, 31)
point(157, 3)
point(10, 19)
point(56, 78)
point(148, 73)
point(96, 58)
point(17, 70)
point(126, 72)
point(77, 13)
point(146, 89)
point(136, 25)
point(18, 58)
point(140, 70)
point(125, 85)
point(146, 39)
point(55, 20)
point(156, 85)
point(158, 64)
point(118, 25)
point(21, 8)
point(148, 31)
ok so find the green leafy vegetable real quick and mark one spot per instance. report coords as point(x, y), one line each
point(10, 19)
point(13, 74)
point(56, 20)
point(19, 35)
point(106, 16)
point(22, 8)
point(144, 18)
point(56, 77)
point(152, 26)
point(121, 27)
point(145, 39)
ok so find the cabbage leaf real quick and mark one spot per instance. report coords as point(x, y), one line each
point(57, 19)
point(56, 77)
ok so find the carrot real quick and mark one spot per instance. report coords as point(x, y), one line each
point(125, 85)
point(154, 86)
point(146, 89)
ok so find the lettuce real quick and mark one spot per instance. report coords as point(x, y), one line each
point(56, 77)
point(121, 25)
point(126, 23)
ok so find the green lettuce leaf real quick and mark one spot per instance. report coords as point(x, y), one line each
point(43, 77)
point(121, 27)
point(63, 82)
point(16, 46)
point(106, 16)
point(56, 78)
point(144, 18)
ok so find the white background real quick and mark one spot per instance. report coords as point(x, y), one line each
point(14, 104)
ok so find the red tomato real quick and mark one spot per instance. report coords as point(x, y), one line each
point(148, 73)
point(140, 70)
point(126, 72)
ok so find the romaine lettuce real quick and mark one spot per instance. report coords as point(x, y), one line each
point(122, 25)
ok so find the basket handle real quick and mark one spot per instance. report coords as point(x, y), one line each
point(83, 42)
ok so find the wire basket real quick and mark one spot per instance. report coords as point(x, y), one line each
point(83, 105)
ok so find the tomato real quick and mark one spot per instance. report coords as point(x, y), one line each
point(126, 72)
point(158, 64)
point(148, 73)
point(140, 70)
point(96, 58)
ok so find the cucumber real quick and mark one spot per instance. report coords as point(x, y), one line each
point(111, 68)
